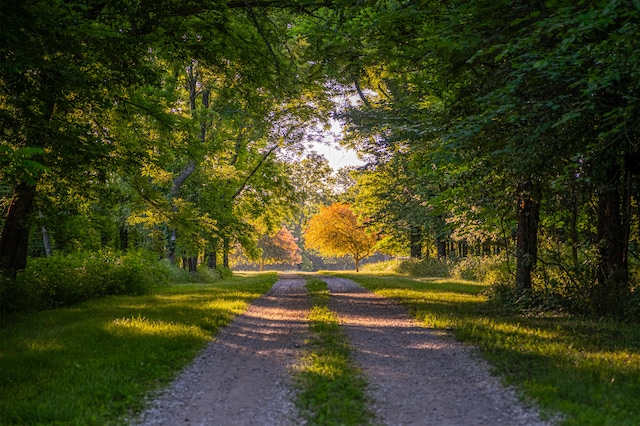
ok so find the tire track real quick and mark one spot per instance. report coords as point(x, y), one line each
point(420, 376)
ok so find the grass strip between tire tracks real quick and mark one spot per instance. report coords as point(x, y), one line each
point(94, 363)
point(331, 388)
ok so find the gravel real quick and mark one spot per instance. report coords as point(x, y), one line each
point(416, 375)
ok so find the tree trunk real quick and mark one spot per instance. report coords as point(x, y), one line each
point(415, 241)
point(225, 252)
point(357, 262)
point(193, 264)
point(124, 237)
point(442, 249)
point(528, 215)
point(612, 276)
point(46, 242)
point(187, 171)
point(171, 250)
point(212, 259)
point(15, 233)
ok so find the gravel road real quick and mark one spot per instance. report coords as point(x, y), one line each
point(417, 376)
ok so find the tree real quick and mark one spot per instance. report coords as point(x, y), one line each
point(335, 231)
point(81, 104)
point(512, 108)
point(279, 248)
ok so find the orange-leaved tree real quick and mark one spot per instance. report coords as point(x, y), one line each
point(280, 248)
point(335, 231)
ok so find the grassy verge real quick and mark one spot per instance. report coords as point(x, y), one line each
point(93, 363)
point(331, 387)
point(588, 370)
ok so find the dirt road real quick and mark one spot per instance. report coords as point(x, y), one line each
point(417, 376)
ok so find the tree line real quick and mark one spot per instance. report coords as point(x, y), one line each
point(141, 124)
point(507, 123)
point(174, 126)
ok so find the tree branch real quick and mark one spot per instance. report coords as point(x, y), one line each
point(253, 172)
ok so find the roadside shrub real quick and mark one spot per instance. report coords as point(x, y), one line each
point(224, 272)
point(176, 274)
point(632, 307)
point(65, 280)
point(204, 274)
point(386, 266)
point(428, 267)
point(488, 269)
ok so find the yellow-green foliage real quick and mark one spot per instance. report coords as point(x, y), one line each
point(65, 280)
point(488, 269)
point(428, 267)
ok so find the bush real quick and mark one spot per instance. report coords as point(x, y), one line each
point(428, 267)
point(64, 280)
point(488, 269)
point(204, 274)
point(176, 274)
point(224, 272)
point(386, 266)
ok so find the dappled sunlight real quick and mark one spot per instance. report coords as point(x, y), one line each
point(143, 326)
point(110, 351)
point(429, 295)
point(327, 366)
point(558, 358)
point(554, 343)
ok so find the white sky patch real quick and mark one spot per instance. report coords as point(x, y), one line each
point(337, 155)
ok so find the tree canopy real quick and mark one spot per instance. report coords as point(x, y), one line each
point(336, 231)
point(280, 248)
point(491, 126)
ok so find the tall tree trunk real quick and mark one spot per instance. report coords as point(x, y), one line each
point(193, 264)
point(212, 255)
point(415, 241)
point(528, 215)
point(171, 249)
point(190, 168)
point(124, 237)
point(46, 242)
point(15, 233)
point(612, 276)
point(225, 252)
point(442, 249)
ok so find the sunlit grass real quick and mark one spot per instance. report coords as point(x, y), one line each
point(587, 370)
point(331, 387)
point(93, 363)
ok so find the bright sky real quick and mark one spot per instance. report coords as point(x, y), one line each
point(336, 155)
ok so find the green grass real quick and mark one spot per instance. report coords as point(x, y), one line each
point(587, 370)
point(331, 388)
point(92, 364)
